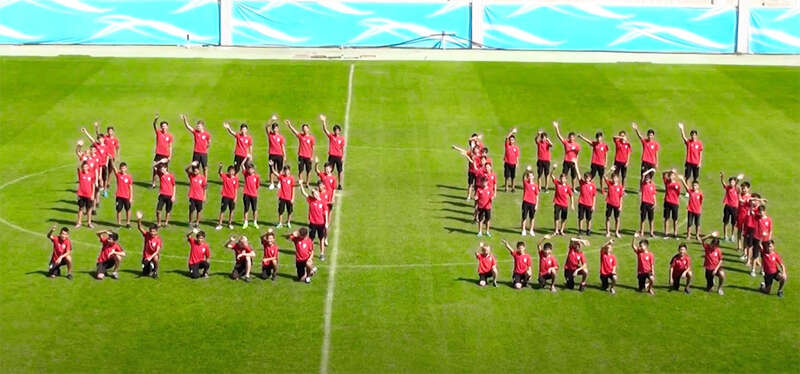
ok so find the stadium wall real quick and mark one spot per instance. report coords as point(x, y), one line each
point(506, 24)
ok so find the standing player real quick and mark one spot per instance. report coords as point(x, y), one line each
point(752, 245)
point(614, 195)
point(101, 150)
point(252, 181)
point(112, 142)
point(622, 154)
point(329, 181)
point(269, 263)
point(774, 269)
point(124, 194)
point(336, 145)
point(285, 194)
point(695, 208)
point(163, 145)
point(242, 256)
point(151, 254)
point(244, 145)
point(277, 148)
point(483, 204)
point(166, 194)
point(487, 265)
point(647, 190)
point(571, 150)
point(763, 231)
point(562, 202)
point(303, 255)
point(87, 179)
point(712, 262)
point(62, 252)
point(672, 190)
point(473, 156)
point(599, 151)
point(530, 200)
point(305, 150)
point(202, 141)
point(730, 204)
point(111, 255)
point(522, 264)
point(197, 192)
point(650, 148)
point(510, 160)
point(230, 187)
point(680, 266)
point(576, 264)
point(608, 267)
point(543, 157)
point(586, 203)
point(548, 264)
point(199, 254)
point(694, 154)
point(317, 218)
point(645, 264)
point(741, 218)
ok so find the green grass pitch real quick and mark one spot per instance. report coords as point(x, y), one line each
point(405, 298)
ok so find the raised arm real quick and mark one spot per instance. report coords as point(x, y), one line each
point(188, 170)
point(89, 136)
point(587, 140)
point(316, 165)
point(558, 130)
point(139, 225)
point(155, 123)
point(649, 171)
point(633, 242)
point(186, 123)
point(219, 168)
point(101, 233)
point(683, 132)
point(227, 127)
point(303, 190)
point(510, 133)
point(683, 182)
point(96, 128)
point(78, 147)
point(636, 128)
point(291, 127)
point(508, 246)
point(50, 232)
point(324, 124)
point(541, 242)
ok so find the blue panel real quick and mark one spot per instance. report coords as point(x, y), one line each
point(596, 28)
point(109, 22)
point(775, 30)
point(335, 23)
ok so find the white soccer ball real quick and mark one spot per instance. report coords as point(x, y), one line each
point(482, 283)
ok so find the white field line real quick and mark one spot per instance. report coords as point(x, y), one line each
point(326, 338)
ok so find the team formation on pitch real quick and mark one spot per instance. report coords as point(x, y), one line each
point(745, 219)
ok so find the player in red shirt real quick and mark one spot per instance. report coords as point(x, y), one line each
point(277, 149)
point(124, 196)
point(112, 142)
point(730, 204)
point(680, 266)
point(543, 157)
point(473, 156)
point(305, 150)
point(62, 252)
point(87, 179)
point(269, 263)
point(166, 194)
point(694, 153)
point(712, 262)
point(599, 152)
point(330, 182)
point(586, 203)
point(647, 190)
point(163, 144)
point(202, 142)
point(242, 257)
point(751, 242)
point(317, 217)
point(230, 188)
point(99, 144)
point(571, 150)
point(303, 254)
point(522, 264)
point(645, 264)
point(622, 154)
point(614, 193)
point(199, 254)
point(151, 254)
point(548, 264)
point(111, 255)
point(244, 145)
point(650, 148)
point(761, 235)
point(575, 264)
point(336, 144)
point(530, 200)
point(252, 182)
point(198, 184)
point(774, 269)
point(672, 192)
point(510, 160)
point(487, 265)
point(562, 201)
point(694, 209)
point(741, 217)
point(608, 267)
point(285, 194)
point(483, 203)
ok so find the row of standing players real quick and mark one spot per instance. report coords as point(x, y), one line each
point(744, 212)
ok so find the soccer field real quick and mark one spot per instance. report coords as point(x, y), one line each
point(398, 292)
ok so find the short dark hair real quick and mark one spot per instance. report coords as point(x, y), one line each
point(121, 164)
point(571, 133)
point(337, 127)
point(645, 242)
point(622, 132)
point(163, 123)
point(598, 134)
point(154, 227)
point(520, 244)
point(109, 128)
point(547, 246)
point(287, 167)
point(243, 126)
point(274, 126)
point(715, 242)
point(693, 132)
point(485, 150)
point(683, 245)
point(651, 131)
point(114, 236)
point(65, 229)
point(762, 208)
point(303, 231)
point(201, 234)
point(746, 184)
point(230, 167)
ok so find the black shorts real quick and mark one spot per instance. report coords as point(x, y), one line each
point(569, 278)
point(542, 168)
point(161, 157)
point(643, 279)
point(201, 158)
point(709, 278)
point(691, 171)
point(520, 278)
point(571, 167)
point(102, 267)
point(164, 201)
point(470, 178)
point(227, 204)
point(646, 212)
point(336, 163)
point(123, 203)
point(286, 205)
point(330, 208)
point(729, 215)
point(104, 172)
point(670, 211)
point(250, 203)
point(509, 171)
point(55, 269)
point(317, 231)
point(584, 211)
point(148, 267)
point(769, 278)
point(239, 269)
point(484, 215)
point(528, 210)
point(195, 205)
point(598, 170)
point(694, 220)
point(559, 213)
point(85, 203)
point(268, 270)
point(646, 166)
point(237, 162)
point(612, 210)
point(301, 268)
point(605, 280)
point(621, 168)
point(277, 162)
point(199, 269)
point(757, 248)
point(751, 241)
point(303, 164)
point(543, 278)
point(485, 276)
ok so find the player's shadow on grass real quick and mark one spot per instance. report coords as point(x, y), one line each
point(39, 272)
point(68, 202)
point(459, 198)
point(751, 289)
point(451, 230)
point(456, 203)
point(65, 210)
point(68, 223)
point(211, 274)
point(72, 190)
point(450, 187)
point(474, 282)
point(735, 270)
point(464, 220)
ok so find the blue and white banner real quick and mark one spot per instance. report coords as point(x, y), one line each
point(592, 27)
point(109, 21)
point(775, 30)
point(336, 23)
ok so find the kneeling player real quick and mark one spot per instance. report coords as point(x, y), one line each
point(199, 254)
point(487, 265)
point(269, 263)
point(522, 264)
point(645, 271)
point(303, 255)
point(111, 255)
point(548, 264)
point(242, 257)
point(713, 262)
point(680, 266)
point(774, 269)
point(62, 252)
point(151, 255)
point(576, 264)
point(608, 267)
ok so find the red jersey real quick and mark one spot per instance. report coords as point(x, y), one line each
point(167, 185)
point(491, 179)
point(680, 263)
point(92, 162)
point(521, 262)
point(614, 194)
point(326, 196)
point(644, 262)
point(286, 188)
point(695, 202)
point(608, 262)
point(108, 248)
point(201, 141)
point(574, 259)
point(269, 251)
point(230, 185)
point(306, 146)
point(243, 144)
point(543, 150)
point(752, 218)
point(694, 149)
point(546, 263)
point(240, 248)
point(511, 155)
point(303, 248)
point(562, 194)
point(599, 151)
point(484, 197)
point(713, 256)
point(587, 194)
point(474, 166)
point(771, 261)
point(86, 184)
point(60, 247)
point(744, 206)
point(485, 262)
point(124, 183)
point(317, 210)
point(622, 151)
point(163, 143)
point(335, 145)
point(112, 144)
point(329, 181)
point(102, 153)
point(673, 190)
point(731, 197)
point(764, 228)
point(650, 151)
point(571, 150)
point(276, 144)
point(151, 244)
point(530, 192)
point(197, 187)
point(198, 251)
point(648, 191)
point(251, 184)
